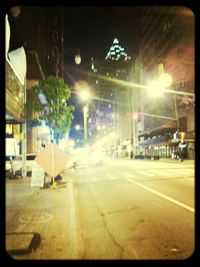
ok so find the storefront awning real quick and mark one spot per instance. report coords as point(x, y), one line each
point(169, 125)
point(154, 141)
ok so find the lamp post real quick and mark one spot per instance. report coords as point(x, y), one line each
point(85, 95)
point(159, 87)
point(85, 115)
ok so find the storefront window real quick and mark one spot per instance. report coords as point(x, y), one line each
point(9, 129)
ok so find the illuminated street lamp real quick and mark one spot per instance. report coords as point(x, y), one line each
point(157, 87)
point(84, 94)
point(77, 127)
point(77, 57)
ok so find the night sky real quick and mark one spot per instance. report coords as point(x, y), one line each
point(92, 30)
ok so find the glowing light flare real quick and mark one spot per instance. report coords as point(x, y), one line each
point(118, 81)
point(82, 88)
point(155, 88)
point(84, 94)
point(77, 127)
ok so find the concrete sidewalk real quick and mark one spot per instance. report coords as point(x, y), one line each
point(40, 223)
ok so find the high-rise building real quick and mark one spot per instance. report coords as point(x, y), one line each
point(110, 78)
point(167, 47)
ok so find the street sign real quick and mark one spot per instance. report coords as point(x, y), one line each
point(52, 159)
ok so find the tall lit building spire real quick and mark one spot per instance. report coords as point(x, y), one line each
point(117, 52)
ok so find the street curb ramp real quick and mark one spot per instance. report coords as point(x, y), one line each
point(22, 243)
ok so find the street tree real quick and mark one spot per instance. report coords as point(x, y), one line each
point(48, 102)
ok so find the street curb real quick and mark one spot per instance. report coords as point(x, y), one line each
point(32, 244)
point(72, 219)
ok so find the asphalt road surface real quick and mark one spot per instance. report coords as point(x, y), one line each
point(132, 209)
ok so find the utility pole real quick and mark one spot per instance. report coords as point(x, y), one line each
point(85, 115)
point(24, 139)
point(134, 123)
point(133, 112)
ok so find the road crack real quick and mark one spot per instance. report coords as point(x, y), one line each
point(103, 216)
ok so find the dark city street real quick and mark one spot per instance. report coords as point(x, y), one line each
point(100, 132)
point(121, 210)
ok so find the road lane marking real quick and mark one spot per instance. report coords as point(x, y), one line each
point(145, 173)
point(163, 196)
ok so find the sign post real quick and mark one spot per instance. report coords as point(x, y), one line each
point(53, 160)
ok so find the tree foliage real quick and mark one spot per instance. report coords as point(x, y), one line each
point(54, 109)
